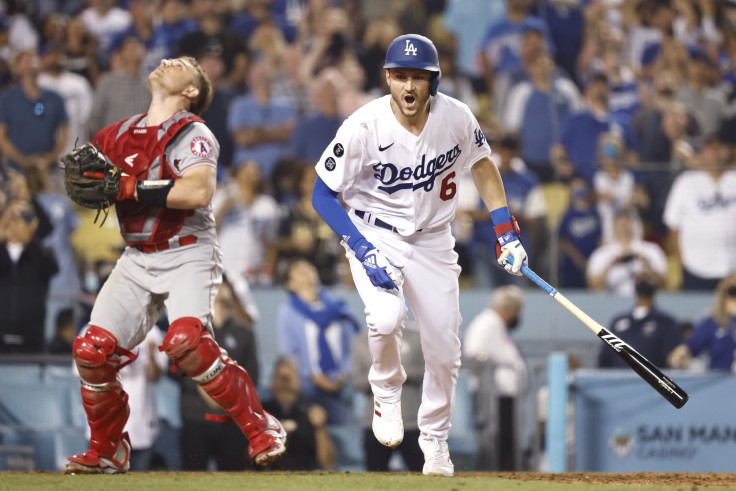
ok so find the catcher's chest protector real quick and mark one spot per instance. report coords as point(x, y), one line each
point(139, 151)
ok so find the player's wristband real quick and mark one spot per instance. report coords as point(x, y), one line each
point(499, 216)
point(154, 192)
point(502, 222)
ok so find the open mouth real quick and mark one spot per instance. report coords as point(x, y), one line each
point(409, 100)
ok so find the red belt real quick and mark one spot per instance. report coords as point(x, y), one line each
point(166, 244)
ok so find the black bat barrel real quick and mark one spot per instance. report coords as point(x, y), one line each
point(646, 370)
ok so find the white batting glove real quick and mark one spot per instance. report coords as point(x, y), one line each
point(516, 250)
point(507, 235)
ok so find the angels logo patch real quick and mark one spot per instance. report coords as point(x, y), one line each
point(201, 147)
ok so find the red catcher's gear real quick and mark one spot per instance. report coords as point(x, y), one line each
point(198, 355)
point(97, 356)
point(139, 152)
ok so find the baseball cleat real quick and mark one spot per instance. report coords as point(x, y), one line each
point(90, 462)
point(277, 448)
point(388, 427)
point(436, 456)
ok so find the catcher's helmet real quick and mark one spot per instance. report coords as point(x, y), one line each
point(415, 51)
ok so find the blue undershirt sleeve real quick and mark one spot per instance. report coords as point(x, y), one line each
point(326, 204)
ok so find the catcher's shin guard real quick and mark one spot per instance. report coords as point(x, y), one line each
point(98, 359)
point(198, 355)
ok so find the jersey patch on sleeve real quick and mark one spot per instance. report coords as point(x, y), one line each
point(480, 138)
point(330, 164)
point(201, 147)
point(338, 150)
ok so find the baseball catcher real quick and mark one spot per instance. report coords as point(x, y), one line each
point(159, 168)
point(92, 181)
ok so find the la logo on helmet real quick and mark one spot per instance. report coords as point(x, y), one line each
point(410, 49)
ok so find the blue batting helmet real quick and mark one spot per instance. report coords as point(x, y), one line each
point(415, 51)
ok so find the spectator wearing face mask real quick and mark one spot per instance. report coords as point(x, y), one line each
point(498, 373)
point(652, 332)
point(714, 333)
point(616, 188)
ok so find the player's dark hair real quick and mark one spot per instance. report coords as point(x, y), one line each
point(200, 103)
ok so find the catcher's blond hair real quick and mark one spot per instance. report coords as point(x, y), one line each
point(199, 104)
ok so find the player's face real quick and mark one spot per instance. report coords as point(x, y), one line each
point(174, 76)
point(409, 89)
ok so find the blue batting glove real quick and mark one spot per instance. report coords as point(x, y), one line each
point(380, 269)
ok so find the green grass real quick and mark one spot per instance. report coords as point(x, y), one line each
point(277, 481)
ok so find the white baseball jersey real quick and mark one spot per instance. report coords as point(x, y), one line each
point(703, 211)
point(407, 180)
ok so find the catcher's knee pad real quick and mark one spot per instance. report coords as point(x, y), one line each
point(389, 317)
point(96, 354)
point(192, 348)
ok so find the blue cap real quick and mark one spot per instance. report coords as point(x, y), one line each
point(533, 24)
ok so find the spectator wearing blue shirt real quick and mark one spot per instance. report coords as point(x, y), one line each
point(580, 233)
point(173, 27)
point(259, 123)
point(33, 122)
point(467, 21)
point(142, 16)
point(500, 51)
point(536, 109)
point(578, 148)
point(715, 333)
point(533, 46)
point(566, 26)
point(624, 100)
point(313, 133)
point(318, 330)
point(245, 23)
point(650, 331)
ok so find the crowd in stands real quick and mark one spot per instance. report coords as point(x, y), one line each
point(613, 124)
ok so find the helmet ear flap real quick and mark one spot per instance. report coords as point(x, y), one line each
point(435, 84)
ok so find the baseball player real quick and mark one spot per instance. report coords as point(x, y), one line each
point(397, 162)
point(168, 159)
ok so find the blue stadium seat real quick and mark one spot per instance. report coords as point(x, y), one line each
point(20, 373)
point(37, 406)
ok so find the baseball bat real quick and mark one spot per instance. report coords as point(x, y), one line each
point(646, 370)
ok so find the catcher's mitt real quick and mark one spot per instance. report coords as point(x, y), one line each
point(90, 179)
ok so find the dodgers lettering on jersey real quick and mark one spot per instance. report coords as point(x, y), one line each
point(422, 176)
point(407, 180)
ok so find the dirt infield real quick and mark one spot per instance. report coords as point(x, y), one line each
point(636, 479)
point(390, 481)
